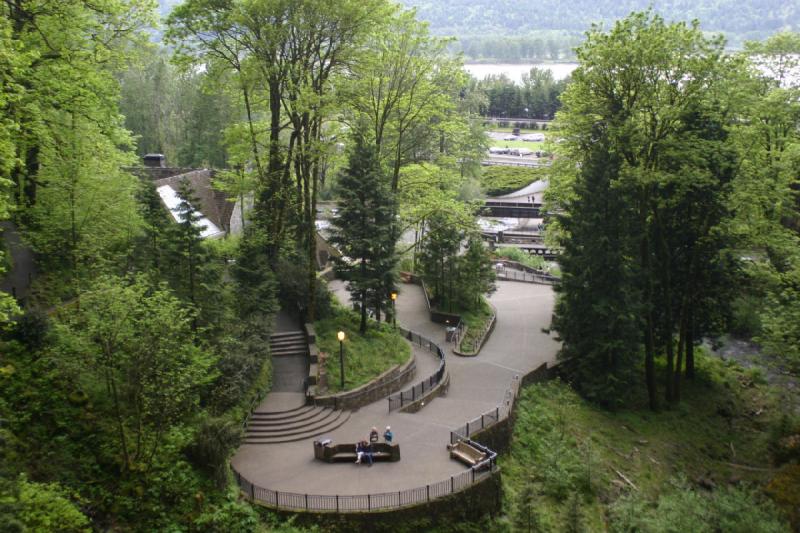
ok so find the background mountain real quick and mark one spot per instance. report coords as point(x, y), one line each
point(548, 29)
point(753, 18)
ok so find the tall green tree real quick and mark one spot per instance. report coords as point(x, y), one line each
point(766, 197)
point(131, 346)
point(659, 99)
point(362, 229)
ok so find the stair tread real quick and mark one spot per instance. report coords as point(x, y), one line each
point(294, 438)
point(292, 426)
point(276, 415)
point(301, 417)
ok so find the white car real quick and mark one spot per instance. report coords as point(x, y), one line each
point(511, 137)
point(533, 137)
point(497, 150)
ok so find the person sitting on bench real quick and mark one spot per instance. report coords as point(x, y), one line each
point(363, 449)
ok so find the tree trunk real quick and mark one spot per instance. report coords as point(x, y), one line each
point(690, 342)
point(676, 388)
point(649, 356)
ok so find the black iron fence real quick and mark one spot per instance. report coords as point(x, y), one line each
point(510, 274)
point(489, 418)
point(360, 503)
point(403, 398)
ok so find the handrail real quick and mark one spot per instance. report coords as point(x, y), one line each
point(410, 395)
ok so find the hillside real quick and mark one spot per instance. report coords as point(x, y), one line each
point(751, 19)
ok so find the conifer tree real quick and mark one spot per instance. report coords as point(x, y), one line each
point(362, 229)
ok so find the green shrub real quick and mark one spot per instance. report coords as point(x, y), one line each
point(499, 180)
point(522, 257)
point(682, 508)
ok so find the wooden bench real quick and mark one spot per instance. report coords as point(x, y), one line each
point(336, 453)
point(466, 453)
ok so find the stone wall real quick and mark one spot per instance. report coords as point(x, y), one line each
point(469, 505)
point(387, 383)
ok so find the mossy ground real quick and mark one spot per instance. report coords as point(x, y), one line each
point(365, 356)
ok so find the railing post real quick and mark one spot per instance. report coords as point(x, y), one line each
point(399, 500)
point(369, 502)
point(252, 492)
point(467, 435)
point(428, 490)
point(497, 413)
point(473, 475)
point(337, 503)
point(452, 484)
point(483, 425)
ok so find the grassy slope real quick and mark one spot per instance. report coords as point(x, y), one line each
point(499, 180)
point(563, 444)
point(365, 357)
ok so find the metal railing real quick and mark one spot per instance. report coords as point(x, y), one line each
point(489, 418)
point(403, 398)
point(360, 503)
point(510, 274)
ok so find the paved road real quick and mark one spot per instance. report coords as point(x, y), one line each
point(477, 385)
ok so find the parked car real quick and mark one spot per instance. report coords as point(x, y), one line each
point(533, 137)
point(520, 151)
point(497, 150)
point(511, 137)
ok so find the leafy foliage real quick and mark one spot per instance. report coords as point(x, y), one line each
point(500, 180)
point(362, 230)
point(366, 355)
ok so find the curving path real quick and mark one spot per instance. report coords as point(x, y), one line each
point(477, 384)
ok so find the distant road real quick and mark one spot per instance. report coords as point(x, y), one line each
point(514, 161)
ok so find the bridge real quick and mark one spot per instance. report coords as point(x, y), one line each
point(501, 209)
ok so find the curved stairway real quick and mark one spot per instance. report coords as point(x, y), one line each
point(300, 423)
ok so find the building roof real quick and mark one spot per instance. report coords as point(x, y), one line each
point(171, 199)
point(214, 205)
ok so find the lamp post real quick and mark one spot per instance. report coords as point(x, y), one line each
point(340, 336)
point(394, 314)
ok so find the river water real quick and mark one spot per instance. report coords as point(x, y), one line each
point(515, 70)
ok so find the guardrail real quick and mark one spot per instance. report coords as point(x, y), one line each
point(489, 418)
point(360, 503)
point(510, 274)
point(400, 399)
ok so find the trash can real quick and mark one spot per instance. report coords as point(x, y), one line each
point(450, 332)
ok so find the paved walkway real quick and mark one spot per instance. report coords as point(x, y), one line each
point(476, 385)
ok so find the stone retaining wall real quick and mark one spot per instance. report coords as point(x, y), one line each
point(387, 383)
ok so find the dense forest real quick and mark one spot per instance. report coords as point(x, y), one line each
point(136, 352)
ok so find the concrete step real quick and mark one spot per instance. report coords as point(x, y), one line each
point(281, 415)
point(290, 353)
point(293, 427)
point(301, 417)
point(287, 335)
point(336, 423)
point(287, 342)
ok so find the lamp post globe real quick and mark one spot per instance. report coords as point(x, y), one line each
point(341, 336)
point(393, 295)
